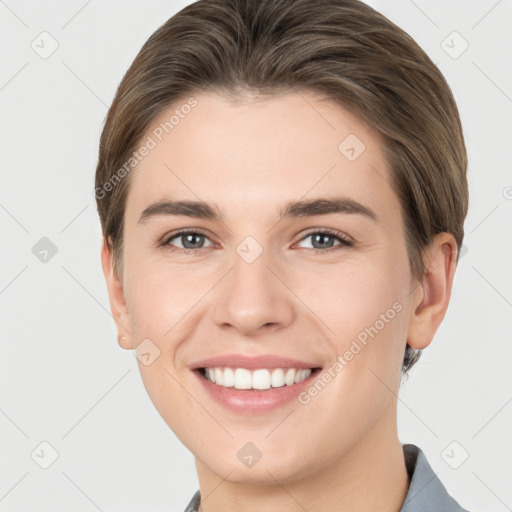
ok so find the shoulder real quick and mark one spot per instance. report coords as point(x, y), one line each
point(193, 506)
point(426, 492)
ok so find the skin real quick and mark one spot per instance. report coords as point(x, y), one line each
point(340, 451)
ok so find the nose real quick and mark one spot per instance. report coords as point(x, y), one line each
point(253, 297)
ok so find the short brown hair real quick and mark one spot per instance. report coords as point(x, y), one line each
point(341, 48)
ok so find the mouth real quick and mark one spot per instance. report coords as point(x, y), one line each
point(259, 379)
point(254, 385)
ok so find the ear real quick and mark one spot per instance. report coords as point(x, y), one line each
point(116, 297)
point(432, 295)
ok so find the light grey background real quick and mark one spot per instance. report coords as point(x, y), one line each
point(63, 378)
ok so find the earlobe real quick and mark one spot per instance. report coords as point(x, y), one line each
point(116, 297)
point(432, 295)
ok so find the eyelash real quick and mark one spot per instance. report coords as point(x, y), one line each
point(344, 242)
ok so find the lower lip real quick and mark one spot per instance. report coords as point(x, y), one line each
point(255, 401)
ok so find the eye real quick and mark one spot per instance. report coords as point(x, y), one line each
point(324, 240)
point(189, 241)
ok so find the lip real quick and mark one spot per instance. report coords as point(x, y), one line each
point(252, 402)
point(252, 362)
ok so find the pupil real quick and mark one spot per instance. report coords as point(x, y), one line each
point(322, 238)
point(191, 236)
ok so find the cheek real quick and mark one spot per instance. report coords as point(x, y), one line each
point(161, 306)
point(158, 298)
point(366, 317)
point(363, 312)
point(350, 298)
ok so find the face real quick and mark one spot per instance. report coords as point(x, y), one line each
point(292, 256)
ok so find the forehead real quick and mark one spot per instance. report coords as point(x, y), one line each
point(251, 155)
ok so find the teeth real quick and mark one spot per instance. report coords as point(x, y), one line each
point(228, 378)
point(219, 376)
point(289, 378)
point(241, 378)
point(277, 378)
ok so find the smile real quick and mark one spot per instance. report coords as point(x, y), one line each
point(259, 379)
point(256, 391)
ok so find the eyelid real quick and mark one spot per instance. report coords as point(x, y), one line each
point(176, 234)
point(328, 231)
point(345, 240)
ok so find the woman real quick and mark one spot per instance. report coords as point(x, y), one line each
point(282, 190)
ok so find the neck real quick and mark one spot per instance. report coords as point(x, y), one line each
point(370, 476)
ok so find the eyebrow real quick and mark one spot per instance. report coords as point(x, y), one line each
point(310, 208)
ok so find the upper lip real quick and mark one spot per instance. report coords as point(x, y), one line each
point(252, 362)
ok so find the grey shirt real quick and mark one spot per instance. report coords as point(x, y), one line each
point(426, 492)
